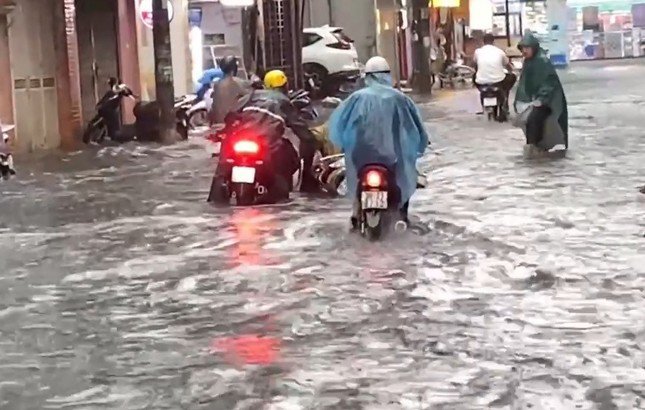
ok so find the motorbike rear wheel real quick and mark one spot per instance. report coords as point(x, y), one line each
point(96, 131)
point(244, 194)
point(198, 118)
point(373, 232)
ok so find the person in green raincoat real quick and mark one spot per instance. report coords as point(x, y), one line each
point(540, 86)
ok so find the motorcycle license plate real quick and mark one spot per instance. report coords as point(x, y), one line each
point(490, 102)
point(243, 175)
point(374, 200)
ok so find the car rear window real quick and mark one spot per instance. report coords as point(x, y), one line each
point(309, 39)
point(341, 36)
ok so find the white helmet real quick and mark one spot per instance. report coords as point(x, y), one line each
point(377, 65)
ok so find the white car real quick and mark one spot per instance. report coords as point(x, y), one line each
point(329, 57)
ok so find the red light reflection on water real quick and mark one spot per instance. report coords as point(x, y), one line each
point(248, 349)
point(251, 228)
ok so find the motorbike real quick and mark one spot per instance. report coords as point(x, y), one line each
point(182, 109)
point(492, 99)
point(6, 158)
point(246, 173)
point(302, 101)
point(192, 113)
point(330, 172)
point(299, 98)
point(377, 203)
point(455, 72)
point(109, 104)
point(339, 86)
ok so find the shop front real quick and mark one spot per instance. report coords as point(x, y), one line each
point(606, 29)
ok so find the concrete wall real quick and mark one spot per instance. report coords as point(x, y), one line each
point(217, 20)
point(33, 66)
point(180, 52)
point(128, 54)
point(357, 17)
point(6, 82)
point(386, 20)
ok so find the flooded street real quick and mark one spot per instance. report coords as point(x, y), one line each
point(121, 288)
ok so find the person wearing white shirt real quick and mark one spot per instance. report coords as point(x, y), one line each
point(493, 67)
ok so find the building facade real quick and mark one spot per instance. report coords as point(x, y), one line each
point(57, 55)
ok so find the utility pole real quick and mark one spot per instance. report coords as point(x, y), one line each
point(421, 76)
point(508, 23)
point(164, 86)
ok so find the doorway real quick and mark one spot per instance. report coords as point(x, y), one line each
point(96, 28)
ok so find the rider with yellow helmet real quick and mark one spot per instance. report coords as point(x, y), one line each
point(276, 80)
point(269, 112)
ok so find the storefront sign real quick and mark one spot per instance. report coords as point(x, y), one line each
point(145, 11)
point(445, 3)
point(237, 3)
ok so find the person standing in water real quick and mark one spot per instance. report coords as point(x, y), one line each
point(540, 86)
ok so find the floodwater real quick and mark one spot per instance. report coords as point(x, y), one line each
point(120, 288)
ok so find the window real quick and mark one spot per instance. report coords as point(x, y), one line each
point(341, 36)
point(499, 25)
point(214, 39)
point(309, 39)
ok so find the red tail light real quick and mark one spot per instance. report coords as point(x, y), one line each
point(246, 147)
point(374, 179)
point(341, 45)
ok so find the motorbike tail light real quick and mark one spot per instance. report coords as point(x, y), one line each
point(374, 179)
point(341, 45)
point(246, 147)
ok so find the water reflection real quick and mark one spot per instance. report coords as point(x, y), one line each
point(252, 228)
point(252, 349)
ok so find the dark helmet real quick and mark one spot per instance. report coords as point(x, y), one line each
point(228, 65)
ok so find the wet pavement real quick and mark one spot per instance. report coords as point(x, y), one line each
point(120, 288)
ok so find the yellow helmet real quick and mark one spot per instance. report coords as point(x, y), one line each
point(275, 79)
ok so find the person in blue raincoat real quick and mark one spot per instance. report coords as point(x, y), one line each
point(206, 80)
point(380, 124)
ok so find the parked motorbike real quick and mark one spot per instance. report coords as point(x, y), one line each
point(338, 86)
point(456, 72)
point(6, 158)
point(330, 172)
point(301, 100)
point(107, 107)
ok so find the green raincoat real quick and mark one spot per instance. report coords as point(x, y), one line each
point(539, 81)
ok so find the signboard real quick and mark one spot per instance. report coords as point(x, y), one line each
point(145, 11)
point(237, 3)
point(445, 3)
point(557, 41)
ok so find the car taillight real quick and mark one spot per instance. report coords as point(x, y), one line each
point(341, 45)
point(246, 147)
point(374, 179)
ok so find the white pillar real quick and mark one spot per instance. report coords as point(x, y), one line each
point(180, 51)
point(557, 18)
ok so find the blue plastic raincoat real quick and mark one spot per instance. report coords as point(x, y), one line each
point(207, 78)
point(380, 124)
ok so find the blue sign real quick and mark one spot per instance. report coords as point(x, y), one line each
point(195, 16)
